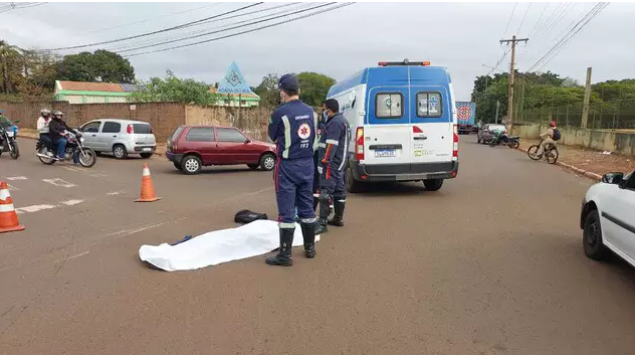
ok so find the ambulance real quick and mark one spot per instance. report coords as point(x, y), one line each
point(403, 124)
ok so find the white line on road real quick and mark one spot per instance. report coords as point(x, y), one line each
point(59, 182)
point(114, 193)
point(34, 208)
point(78, 255)
point(72, 202)
point(11, 187)
point(14, 178)
point(98, 175)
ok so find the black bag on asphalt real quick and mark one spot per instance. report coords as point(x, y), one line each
point(247, 216)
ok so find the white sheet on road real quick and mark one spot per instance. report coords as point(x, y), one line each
point(213, 248)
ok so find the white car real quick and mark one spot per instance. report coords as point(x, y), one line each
point(119, 137)
point(608, 218)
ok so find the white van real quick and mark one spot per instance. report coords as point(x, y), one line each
point(403, 123)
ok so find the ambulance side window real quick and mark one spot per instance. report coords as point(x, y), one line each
point(388, 105)
point(429, 104)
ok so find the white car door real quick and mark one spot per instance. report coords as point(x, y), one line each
point(618, 216)
point(90, 132)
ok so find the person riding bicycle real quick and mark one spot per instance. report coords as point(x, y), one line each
point(550, 136)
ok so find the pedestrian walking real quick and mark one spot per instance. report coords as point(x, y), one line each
point(292, 127)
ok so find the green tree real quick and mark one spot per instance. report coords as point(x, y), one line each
point(10, 67)
point(173, 89)
point(103, 66)
point(314, 87)
point(268, 91)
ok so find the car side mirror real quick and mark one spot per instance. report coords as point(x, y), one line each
point(613, 178)
point(248, 141)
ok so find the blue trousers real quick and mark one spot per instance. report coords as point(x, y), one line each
point(332, 181)
point(61, 147)
point(294, 185)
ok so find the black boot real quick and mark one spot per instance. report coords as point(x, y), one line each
point(325, 209)
point(283, 258)
point(338, 218)
point(308, 233)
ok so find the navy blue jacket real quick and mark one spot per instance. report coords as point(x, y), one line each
point(334, 141)
point(292, 127)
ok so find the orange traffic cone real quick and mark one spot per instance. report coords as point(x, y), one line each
point(8, 218)
point(147, 188)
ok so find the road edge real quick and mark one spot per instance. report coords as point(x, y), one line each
point(585, 173)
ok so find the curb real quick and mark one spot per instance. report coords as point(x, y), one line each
point(582, 172)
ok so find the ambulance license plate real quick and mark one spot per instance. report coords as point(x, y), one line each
point(385, 153)
point(147, 149)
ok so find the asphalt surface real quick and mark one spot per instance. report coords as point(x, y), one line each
point(490, 264)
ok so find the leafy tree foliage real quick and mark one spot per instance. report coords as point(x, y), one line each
point(173, 89)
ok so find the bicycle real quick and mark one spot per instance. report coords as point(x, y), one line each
point(550, 153)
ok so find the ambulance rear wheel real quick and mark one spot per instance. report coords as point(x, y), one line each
point(352, 185)
point(433, 184)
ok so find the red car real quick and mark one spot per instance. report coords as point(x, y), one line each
point(192, 147)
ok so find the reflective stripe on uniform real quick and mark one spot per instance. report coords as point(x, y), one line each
point(286, 225)
point(315, 126)
point(344, 151)
point(308, 220)
point(332, 141)
point(287, 137)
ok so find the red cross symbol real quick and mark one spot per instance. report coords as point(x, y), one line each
point(304, 131)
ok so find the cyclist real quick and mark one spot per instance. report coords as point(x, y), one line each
point(550, 136)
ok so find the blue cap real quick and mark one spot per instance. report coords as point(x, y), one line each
point(288, 82)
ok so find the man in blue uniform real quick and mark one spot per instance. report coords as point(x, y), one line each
point(292, 127)
point(332, 152)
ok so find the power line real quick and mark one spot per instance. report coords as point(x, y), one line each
point(243, 32)
point(24, 5)
point(510, 19)
point(150, 19)
point(597, 12)
point(551, 24)
point(229, 28)
point(498, 63)
point(565, 39)
point(524, 17)
point(182, 36)
point(158, 31)
point(539, 18)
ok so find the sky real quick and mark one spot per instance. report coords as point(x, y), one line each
point(464, 37)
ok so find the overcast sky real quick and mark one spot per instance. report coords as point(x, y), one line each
point(460, 36)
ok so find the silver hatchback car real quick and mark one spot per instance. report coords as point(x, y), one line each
point(119, 137)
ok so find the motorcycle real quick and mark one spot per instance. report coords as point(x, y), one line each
point(512, 142)
point(8, 141)
point(46, 153)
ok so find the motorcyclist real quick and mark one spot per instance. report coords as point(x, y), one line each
point(58, 130)
point(548, 137)
point(43, 127)
point(5, 124)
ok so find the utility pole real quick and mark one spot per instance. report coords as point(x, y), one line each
point(498, 105)
point(510, 104)
point(587, 99)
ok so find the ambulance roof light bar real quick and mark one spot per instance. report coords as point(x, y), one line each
point(405, 62)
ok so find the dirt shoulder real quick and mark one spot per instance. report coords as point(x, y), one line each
point(589, 159)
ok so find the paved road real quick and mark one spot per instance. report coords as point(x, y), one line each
point(491, 264)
